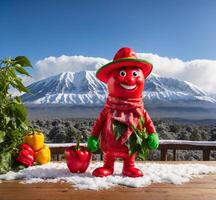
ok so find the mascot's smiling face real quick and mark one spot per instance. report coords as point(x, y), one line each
point(126, 82)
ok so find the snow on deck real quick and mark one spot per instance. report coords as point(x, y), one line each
point(153, 173)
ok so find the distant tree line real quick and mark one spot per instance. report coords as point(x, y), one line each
point(61, 131)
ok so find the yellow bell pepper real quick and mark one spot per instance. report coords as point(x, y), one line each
point(35, 139)
point(43, 156)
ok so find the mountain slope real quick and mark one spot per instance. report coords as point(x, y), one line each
point(171, 90)
point(83, 88)
point(76, 88)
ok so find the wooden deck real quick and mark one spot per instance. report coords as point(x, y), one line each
point(198, 189)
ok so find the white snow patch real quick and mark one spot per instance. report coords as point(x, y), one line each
point(153, 173)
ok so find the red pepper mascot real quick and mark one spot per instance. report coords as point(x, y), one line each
point(125, 78)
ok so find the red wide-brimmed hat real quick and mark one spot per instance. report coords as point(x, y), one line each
point(125, 57)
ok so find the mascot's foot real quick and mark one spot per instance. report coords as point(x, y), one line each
point(102, 172)
point(132, 172)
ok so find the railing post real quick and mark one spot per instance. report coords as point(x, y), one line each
point(164, 154)
point(174, 154)
point(58, 157)
point(206, 154)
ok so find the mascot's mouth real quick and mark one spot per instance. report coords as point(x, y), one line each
point(128, 87)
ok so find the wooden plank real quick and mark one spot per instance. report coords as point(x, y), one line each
point(197, 189)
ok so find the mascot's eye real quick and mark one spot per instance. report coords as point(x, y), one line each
point(122, 73)
point(135, 73)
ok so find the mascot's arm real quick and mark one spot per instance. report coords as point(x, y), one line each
point(148, 123)
point(93, 143)
point(153, 140)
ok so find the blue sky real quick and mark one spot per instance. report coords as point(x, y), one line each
point(185, 29)
point(160, 30)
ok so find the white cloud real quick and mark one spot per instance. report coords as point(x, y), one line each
point(54, 65)
point(199, 72)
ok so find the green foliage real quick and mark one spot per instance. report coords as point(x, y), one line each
point(138, 141)
point(13, 115)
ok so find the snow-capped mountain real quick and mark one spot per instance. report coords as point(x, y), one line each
point(83, 88)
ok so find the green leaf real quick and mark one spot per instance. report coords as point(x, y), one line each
point(15, 81)
point(144, 134)
point(16, 111)
point(143, 153)
point(2, 135)
point(7, 119)
point(131, 144)
point(11, 74)
point(141, 122)
point(12, 124)
point(21, 70)
point(20, 111)
point(134, 149)
point(135, 130)
point(22, 60)
point(137, 134)
point(19, 85)
point(2, 85)
point(24, 125)
point(118, 128)
point(17, 100)
point(139, 139)
point(5, 162)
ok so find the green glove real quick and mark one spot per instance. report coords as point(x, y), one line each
point(153, 141)
point(93, 144)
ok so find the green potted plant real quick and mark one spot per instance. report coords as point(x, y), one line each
point(13, 114)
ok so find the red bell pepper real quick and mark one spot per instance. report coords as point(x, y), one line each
point(26, 155)
point(77, 159)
